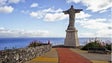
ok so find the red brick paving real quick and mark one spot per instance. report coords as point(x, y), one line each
point(68, 56)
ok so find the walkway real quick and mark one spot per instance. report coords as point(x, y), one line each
point(94, 57)
point(68, 56)
point(49, 57)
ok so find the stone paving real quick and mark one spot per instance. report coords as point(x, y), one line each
point(68, 56)
point(53, 56)
point(49, 57)
point(94, 57)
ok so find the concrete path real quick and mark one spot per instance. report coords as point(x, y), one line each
point(49, 57)
point(67, 55)
point(94, 57)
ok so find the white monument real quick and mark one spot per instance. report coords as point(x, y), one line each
point(71, 39)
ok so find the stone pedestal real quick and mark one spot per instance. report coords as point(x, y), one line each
point(71, 39)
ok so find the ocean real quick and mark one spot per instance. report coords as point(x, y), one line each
point(9, 43)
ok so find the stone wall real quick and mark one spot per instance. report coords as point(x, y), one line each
point(23, 54)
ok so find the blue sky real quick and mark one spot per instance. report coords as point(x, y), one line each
point(44, 18)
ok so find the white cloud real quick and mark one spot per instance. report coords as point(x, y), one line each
point(37, 14)
point(87, 34)
point(49, 14)
point(94, 5)
point(60, 16)
point(52, 10)
point(25, 11)
point(52, 14)
point(82, 15)
point(55, 17)
point(23, 33)
point(94, 23)
point(98, 33)
point(13, 1)
point(3, 2)
point(76, 1)
point(6, 2)
point(97, 5)
point(34, 5)
point(100, 27)
point(104, 33)
point(6, 9)
point(4, 5)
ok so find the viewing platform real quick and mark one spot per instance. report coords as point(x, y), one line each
point(70, 55)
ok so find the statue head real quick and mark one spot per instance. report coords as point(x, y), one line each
point(71, 6)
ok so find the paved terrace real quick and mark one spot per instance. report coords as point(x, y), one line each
point(70, 55)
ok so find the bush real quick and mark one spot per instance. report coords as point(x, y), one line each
point(96, 44)
point(91, 45)
point(34, 44)
point(108, 46)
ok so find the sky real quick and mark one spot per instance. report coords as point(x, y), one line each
point(44, 18)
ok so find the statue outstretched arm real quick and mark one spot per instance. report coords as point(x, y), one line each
point(65, 12)
point(78, 10)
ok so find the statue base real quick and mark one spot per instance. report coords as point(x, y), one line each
point(71, 39)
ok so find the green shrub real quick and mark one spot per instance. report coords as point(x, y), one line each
point(97, 44)
point(34, 44)
point(108, 46)
point(94, 44)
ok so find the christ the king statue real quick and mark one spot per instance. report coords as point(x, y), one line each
point(71, 32)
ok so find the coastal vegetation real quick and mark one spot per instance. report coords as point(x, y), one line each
point(36, 43)
point(96, 44)
point(108, 46)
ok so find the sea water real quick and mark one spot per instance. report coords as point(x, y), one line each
point(9, 43)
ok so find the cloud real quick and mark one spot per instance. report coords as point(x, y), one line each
point(49, 14)
point(76, 1)
point(23, 33)
point(37, 14)
point(96, 27)
point(52, 10)
point(34, 5)
point(97, 5)
point(61, 16)
point(7, 2)
point(94, 5)
point(82, 15)
point(5, 6)
point(98, 23)
point(3, 2)
point(104, 33)
point(6, 9)
point(87, 34)
point(25, 11)
point(55, 17)
point(13, 1)
point(52, 14)
point(98, 33)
